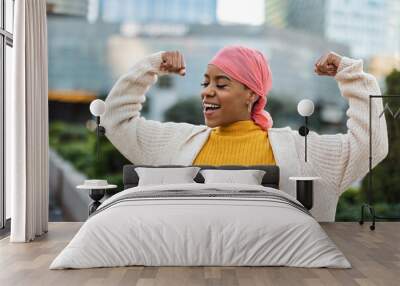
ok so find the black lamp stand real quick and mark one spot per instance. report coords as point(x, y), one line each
point(100, 131)
point(97, 194)
point(303, 131)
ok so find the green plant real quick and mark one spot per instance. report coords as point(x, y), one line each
point(77, 144)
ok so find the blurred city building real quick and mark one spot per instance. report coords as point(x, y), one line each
point(363, 24)
point(68, 7)
point(78, 53)
point(78, 68)
point(162, 11)
point(369, 27)
point(306, 15)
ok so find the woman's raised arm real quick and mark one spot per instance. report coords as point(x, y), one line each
point(138, 139)
point(340, 159)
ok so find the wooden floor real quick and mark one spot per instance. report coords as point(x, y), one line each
point(374, 255)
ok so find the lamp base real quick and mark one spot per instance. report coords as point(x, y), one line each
point(303, 131)
point(101, 130)
point(374, 216)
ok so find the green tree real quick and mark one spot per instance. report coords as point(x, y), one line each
point(77, 144)
point(188, 110)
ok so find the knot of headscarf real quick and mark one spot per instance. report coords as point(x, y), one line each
point(249, 67)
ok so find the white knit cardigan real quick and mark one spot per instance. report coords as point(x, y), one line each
point(338, 159)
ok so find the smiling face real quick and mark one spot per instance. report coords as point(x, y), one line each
point(229, 96)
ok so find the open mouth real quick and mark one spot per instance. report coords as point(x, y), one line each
point(210, 109)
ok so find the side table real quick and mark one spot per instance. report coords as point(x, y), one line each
point(304, 190)
point(96, 190)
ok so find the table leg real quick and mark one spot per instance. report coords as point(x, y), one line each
point(304, 193)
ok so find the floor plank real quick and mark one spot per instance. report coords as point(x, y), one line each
point(374, 255)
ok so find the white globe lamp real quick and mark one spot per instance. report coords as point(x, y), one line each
point(305, 108)
point(97, 107)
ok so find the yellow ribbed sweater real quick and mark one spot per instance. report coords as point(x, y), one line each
point(239, 143)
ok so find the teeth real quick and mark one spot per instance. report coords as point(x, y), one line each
point(211, 105)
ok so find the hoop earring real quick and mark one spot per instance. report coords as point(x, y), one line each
point(249, 107)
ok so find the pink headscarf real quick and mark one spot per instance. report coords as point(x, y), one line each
point(250, 67)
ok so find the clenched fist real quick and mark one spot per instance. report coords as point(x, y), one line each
point(172, 61)
point(328, 64)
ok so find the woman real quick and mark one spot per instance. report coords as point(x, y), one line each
point(239, 131)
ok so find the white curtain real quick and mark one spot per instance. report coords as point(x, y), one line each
point(27, 123)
